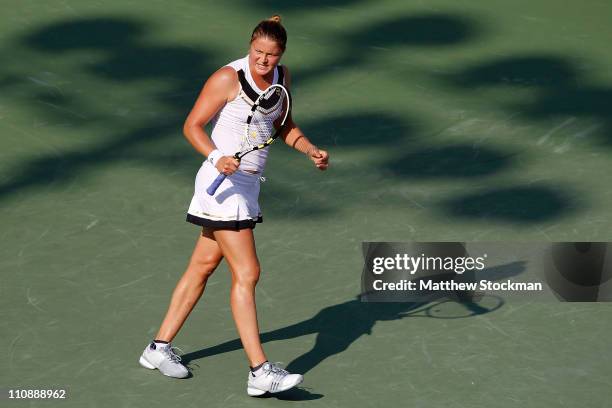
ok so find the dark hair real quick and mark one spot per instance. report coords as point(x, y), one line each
point(272, 29)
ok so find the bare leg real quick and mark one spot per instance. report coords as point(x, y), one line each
point(238, 247)
point(205, 258)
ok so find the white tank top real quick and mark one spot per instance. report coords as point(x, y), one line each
point(228, 124)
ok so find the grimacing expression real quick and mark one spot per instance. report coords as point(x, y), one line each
point(264, 55)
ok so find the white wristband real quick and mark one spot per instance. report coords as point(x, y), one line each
point(214, 157)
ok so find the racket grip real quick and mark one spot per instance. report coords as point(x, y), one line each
point(215, 184)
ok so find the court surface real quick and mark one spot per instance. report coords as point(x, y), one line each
point(445, 120)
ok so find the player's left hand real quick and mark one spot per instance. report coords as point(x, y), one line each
point(320, 158)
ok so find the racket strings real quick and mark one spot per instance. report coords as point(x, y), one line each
point(262, 125)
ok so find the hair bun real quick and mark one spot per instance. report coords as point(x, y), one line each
point(272, 29)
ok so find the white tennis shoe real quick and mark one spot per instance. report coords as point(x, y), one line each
point(271, 378)
point(164, 359)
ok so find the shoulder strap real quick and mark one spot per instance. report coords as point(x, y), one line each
point(252, 95)
point(246, 87)
point(281, 75)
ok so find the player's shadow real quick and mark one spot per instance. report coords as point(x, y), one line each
point(340, 325)
point(336, 327)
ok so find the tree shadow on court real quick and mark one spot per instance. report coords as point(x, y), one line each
point(519, 204)
point(291, 186)
point(559, 92)
point(413, 159)
point(362, 129)
point(120, 52)
point(338, 326)
point(358, 48)
point(457, 161)
point(417, 30)
point(289, 6)
point(560, 89)
point(516, 204)
point(63, 168)
point(116, 52)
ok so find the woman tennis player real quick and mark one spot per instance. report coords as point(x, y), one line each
point(229, 216)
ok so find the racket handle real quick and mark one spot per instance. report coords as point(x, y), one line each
point(215, 184)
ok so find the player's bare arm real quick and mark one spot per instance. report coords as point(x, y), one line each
point(294, 137)
point(220, 88)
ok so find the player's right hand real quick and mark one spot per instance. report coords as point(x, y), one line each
point(227, 165)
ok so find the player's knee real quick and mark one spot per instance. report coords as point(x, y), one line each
point(204, 266)
point(247, 276)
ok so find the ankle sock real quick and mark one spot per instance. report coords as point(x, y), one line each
point(256, 368)
point(160, 343)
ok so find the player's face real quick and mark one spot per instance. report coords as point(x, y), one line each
point(264, 55)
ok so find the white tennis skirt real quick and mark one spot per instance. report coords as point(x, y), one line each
point(234, 205)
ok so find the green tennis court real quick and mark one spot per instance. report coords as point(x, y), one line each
point(445, 121)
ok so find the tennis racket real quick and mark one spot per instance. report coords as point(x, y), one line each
point(264, 124)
